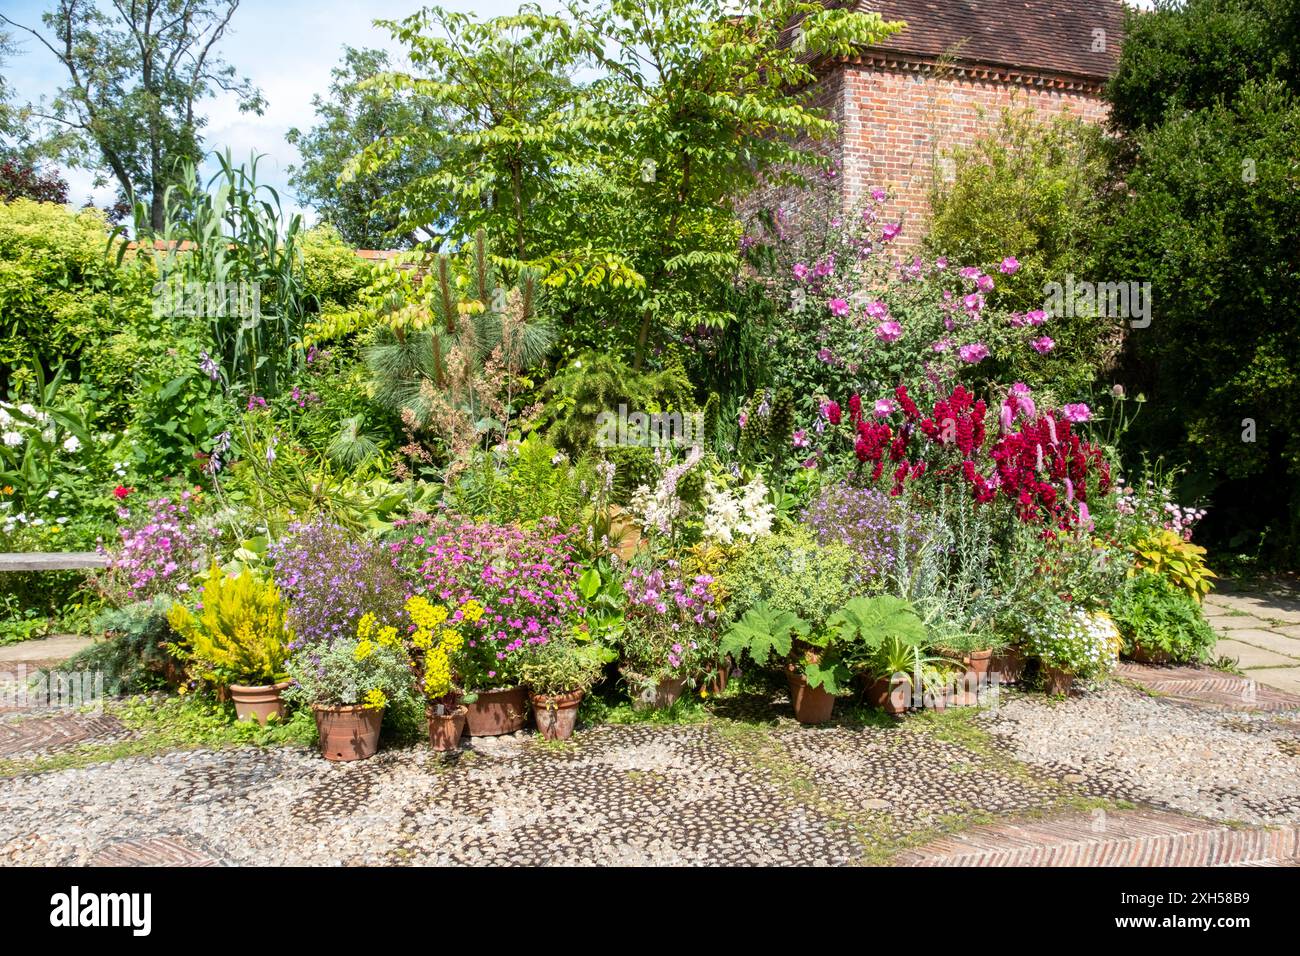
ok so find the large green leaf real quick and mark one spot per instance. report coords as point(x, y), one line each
point(763, 632)
point(872, 621)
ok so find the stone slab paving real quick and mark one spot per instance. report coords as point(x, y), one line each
point(42, 650)
point(1260, 628)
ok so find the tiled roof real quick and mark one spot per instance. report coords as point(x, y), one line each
point(1055, 36)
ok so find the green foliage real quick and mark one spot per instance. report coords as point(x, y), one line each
point(131, 653)
point(595, 383)
point(354, 116)
point(619, 187)
point(61, 296)
point(789, 571)
point(525, 483)
point(1190, 55)
point(1034, 189)
point(1182, 563)
point(452, 349)
point(231, 241)
point(1155, 615)
point(1210, 222)
point(763, 634)
point(563, 665)
point(239, 635)
point(350, 671)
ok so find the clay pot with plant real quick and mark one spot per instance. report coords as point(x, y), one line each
point(349, 683)
point(435, 642)
point(812, 657)
point(238, 640)
point(559, 673)
point(886, 637)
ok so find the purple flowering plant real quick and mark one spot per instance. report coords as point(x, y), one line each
point(873, 524)
point(331, 578)
point(524, 578)
point(161, 546)
point(670, 624)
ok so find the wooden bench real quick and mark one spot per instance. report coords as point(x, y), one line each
point(51, 561)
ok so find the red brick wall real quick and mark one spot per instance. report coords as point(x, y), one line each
point(897, 124)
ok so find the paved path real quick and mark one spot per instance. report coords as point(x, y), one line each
point(42, 651)
point(1261, 630)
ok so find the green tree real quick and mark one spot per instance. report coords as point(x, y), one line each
point(353, 116)
point(134, 77)
point(624, 180)
point(1208, 217)
point(1036, 190)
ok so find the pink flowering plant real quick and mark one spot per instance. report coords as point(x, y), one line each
point(670, 624)
point(524, 580)
point(162, 545)
point(852, 316)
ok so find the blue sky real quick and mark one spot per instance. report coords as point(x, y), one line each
point(286, 47)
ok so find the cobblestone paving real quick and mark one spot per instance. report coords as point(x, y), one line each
point(1212, 775)
point(725, 792)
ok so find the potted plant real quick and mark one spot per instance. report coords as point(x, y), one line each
point(559, 673)
point(436, 644)
point(1072, 643)
point(349, 682)
point(885, 637)
point(813, 657)
point(238, 639)
point(669, 633)
point(503, 587)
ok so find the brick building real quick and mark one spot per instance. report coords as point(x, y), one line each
point(946, 78)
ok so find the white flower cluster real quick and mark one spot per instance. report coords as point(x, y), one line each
point(657, 509)
point(729, 516)
point(1080, 642)
point(14, 429)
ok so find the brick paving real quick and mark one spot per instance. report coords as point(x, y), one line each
point(1112, 838)
point(1205, 686)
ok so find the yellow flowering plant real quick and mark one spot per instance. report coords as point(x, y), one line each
point(237, 634)
point(371, 669)
point(438, 638)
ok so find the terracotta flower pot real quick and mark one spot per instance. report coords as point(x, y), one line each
point(812, 705)
point(556, 714)
point(497, 712)
point(659, 696)
point(1057, 681)
point(445, 729)
point(1007, 666)
point(966, 693)
point(258, 702)
point(718, 682)
point(1144, 656)
point(348, 732)
point(893, 697)
point(978, 661)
